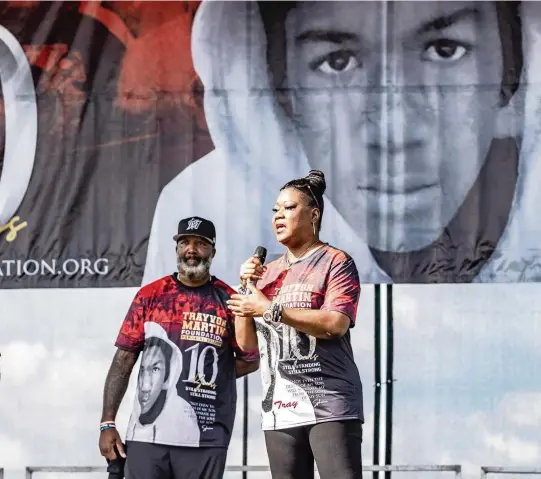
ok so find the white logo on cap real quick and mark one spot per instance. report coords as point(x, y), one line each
point(193, 224)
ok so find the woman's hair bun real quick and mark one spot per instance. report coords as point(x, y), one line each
point(316, 179)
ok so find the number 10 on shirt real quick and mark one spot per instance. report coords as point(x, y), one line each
point(197, 365)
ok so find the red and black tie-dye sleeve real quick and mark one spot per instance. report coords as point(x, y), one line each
point(132, 332)
point(343, 288)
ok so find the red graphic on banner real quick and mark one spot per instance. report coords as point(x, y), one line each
point(119, 115)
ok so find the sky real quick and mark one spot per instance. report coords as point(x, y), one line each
point(467, 389)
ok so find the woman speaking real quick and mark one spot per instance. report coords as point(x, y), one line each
point(299, 315)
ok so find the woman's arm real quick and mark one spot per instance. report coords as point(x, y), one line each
point(316, 322)
point(319, 323)
point(331, 321)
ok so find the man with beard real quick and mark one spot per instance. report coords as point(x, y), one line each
point(192, 375)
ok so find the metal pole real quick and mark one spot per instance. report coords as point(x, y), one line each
point(245, 428)
point(377, 376)
point(485, 470)
point(396, 468)
point(389, 381)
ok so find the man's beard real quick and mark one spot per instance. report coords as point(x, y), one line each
point(194, 272)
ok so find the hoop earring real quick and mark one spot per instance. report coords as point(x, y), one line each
point(314, 226)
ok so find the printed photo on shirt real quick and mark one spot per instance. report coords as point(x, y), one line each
point(160, 415)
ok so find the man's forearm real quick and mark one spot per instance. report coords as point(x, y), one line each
point(117, 382)
point(245, 333)
point(242, 368)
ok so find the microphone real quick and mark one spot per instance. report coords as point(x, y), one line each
point(261, 253)
point(115, 468)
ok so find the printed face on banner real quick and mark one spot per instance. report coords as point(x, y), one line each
point(401, 104)
point(409, 108)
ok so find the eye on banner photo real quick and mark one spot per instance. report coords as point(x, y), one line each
point(100, 109)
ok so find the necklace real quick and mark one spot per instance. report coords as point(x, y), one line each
point(289, 263)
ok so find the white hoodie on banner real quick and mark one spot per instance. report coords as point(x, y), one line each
point(258, 150)
point(21, 130)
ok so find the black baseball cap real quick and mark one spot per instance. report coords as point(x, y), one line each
point(196, 226)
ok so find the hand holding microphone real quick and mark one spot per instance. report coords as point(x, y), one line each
point(250, 301)
point(253, 269)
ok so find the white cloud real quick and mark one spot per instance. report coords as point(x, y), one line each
point(21, 361)
point(506, 435)
point(523, 409)
point(406, 311)
point(467, 335)
point(12, 452)
point(424, 434)
point(510, 448)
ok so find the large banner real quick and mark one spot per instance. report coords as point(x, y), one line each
point(121, 118)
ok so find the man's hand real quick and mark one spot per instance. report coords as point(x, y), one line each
point(249, 305)
point(109, 438)
point(116, 384)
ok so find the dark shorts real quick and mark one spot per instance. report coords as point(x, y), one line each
point(154, 461)
point(335, 446)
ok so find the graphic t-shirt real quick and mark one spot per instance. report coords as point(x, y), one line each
point(308, 380)
point(186, 387)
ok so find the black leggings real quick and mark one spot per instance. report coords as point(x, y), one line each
point(335, 446)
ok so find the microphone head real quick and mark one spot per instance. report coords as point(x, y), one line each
point(261, 253)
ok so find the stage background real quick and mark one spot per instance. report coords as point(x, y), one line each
point(466, 356)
